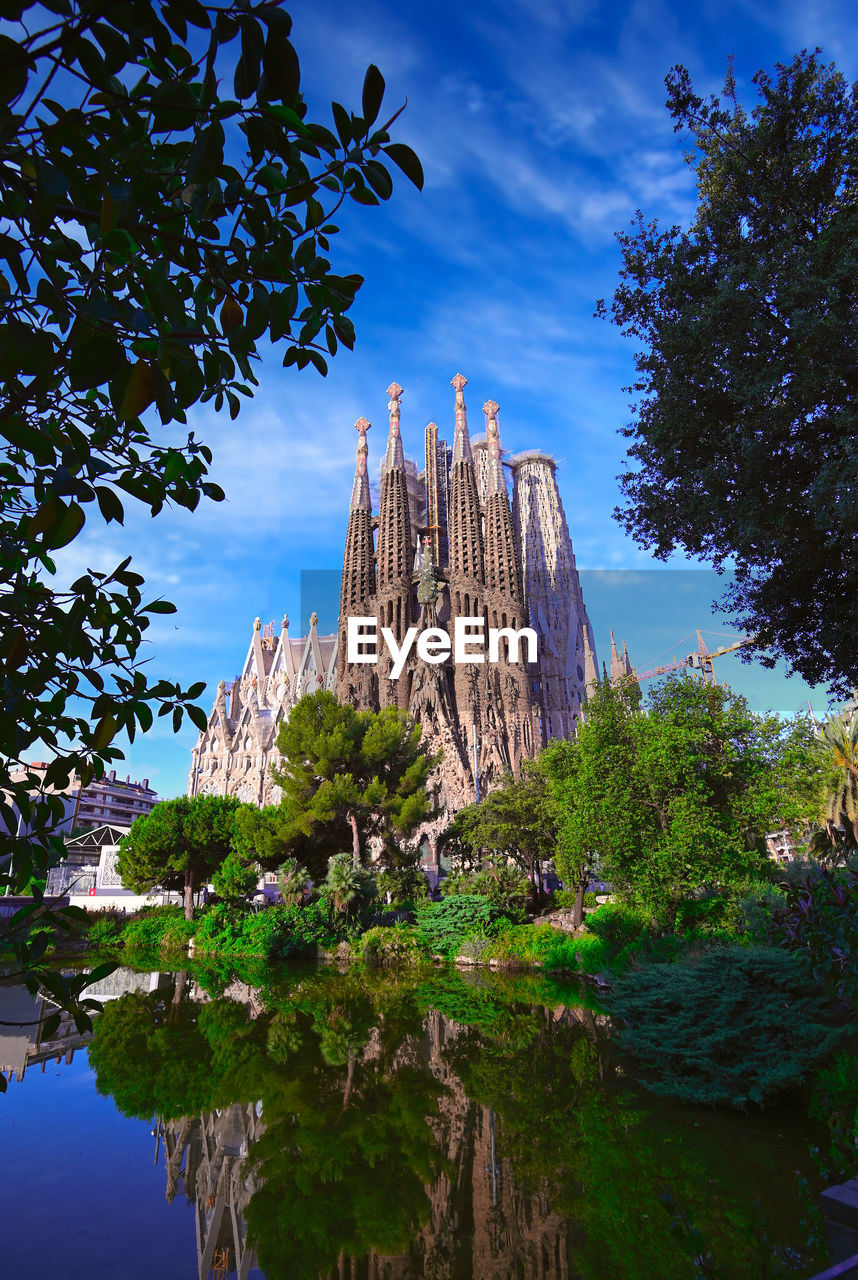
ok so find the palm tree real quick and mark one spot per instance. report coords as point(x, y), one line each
point(293, 879)
point(839, 741)
point(349, 888)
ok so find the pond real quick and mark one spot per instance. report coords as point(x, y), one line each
point(371, 1127)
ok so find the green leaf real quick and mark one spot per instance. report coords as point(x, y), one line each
point(282, 68)
point(159, 606)
point(67, 526)
point(373, 92)
point(198, 717)
point(105, 731)
point(109, 504)
point(407, 161)
point(343, 123)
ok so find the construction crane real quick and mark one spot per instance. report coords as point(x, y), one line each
point(701, 661)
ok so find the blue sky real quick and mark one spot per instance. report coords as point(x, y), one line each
point(541, 128)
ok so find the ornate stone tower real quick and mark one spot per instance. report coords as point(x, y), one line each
point(508, 695)
point(466, 575)
point(394, 574)
point(567, 659)
point(358, 685)
point(489, 715)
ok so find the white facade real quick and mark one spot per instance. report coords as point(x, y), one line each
point(234, 752)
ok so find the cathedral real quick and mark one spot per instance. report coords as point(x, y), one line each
point(460, 547)
point(474, 534)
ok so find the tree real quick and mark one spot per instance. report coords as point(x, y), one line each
point(178, 845)
point(166, 203)
point(670, 800)
point(745, 415)
point(516, 819)
point(349, 888)
point(235, 879)
point(364, 768)
point(293, 881)
point(839, 749)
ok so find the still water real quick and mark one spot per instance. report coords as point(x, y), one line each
point(368, 1127)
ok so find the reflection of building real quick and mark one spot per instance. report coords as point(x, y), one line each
point(234, 750)
point(23, 1042)
point(206, 1159)
point(479, 1222)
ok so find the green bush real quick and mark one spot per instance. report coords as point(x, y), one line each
point(406, 885)
point(444, 926)
point(551, 948)
point(501, 883)
point(731, 1027)
point(158, 929)
point(273, 933)
point(618, 924)
point(393, 946)
point(818, 922)
point(105, 932)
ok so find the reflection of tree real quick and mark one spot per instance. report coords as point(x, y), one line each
point(458, 1127)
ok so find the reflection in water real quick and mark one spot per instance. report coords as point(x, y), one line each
point(374, 1128)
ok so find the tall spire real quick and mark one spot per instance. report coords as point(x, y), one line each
point(627, 666)
point(360, 488)
point(591, 671)
point(495, 482)
point(394, 456)
point(461, 440)
point(617, 668)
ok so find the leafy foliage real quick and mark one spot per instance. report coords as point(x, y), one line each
point(235, 880)
point(733, 1027)
point(674, 800)
point(348, 893)
point(293, 880)
point(444, 926)
point(839, 746)
point(364, 773)
point(178, 845)
point(818, 921)
point(393, 946)
point(515, 819)
point(744, 430)
point(158, 931)
point(500, 883)
point(156, 231)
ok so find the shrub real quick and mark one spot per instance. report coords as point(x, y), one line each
point(159, 929)
point(730, 1027)
point(618, 924)
point(406, 885)
point(565, 899)
point(835, 1095)
point(348, 894)
point(390, 946)
point(551, 948)
point(272, 934)
point(105, 932)
point(444, 926)
point(293, 879)
point(819, 922)
point(499, 882)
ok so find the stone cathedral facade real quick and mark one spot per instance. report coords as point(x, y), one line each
point(468, 550)
point(453, 540)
